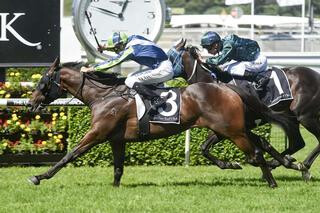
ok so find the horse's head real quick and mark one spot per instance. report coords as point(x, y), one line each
point(48, 88)
point(193, 71)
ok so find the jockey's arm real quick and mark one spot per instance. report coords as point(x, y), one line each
point(123, 56)
point(223, 57)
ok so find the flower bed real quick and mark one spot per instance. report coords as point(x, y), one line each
point(24, 132)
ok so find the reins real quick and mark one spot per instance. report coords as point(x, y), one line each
point(194, 70)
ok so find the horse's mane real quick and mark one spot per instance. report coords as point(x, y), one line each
point(105, 78)
point(73, 65)
point(101, 77)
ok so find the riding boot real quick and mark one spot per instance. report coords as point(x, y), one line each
point(262, 81)
point(250, 76)
point(258, 78)
point(156, 101)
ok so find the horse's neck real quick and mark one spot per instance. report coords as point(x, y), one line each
point(199, 75)
point(86, 90)
point(71, 81)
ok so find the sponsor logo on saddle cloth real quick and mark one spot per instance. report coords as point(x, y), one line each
point(168, 113)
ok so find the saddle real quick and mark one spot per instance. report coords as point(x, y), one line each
point(277, 89)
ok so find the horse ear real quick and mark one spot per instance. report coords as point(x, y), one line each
point(178, 45)
point(184, 42)
point(54, 65)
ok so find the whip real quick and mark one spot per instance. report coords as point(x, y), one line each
point(94, 34)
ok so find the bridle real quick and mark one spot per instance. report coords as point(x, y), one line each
point(195, 63)
point(50, 87)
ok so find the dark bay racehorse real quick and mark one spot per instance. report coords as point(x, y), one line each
point(114, 117)
point(304, 109)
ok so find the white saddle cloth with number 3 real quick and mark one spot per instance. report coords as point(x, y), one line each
point(168, 113)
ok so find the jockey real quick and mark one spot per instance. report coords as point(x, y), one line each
point(144, 52)
point(238, 56)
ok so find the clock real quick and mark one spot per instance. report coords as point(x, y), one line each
point(139, 17)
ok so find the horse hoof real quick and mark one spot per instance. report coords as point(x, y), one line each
point(290, 158)
point(116, 184)
point(302, 167)
point(306, 175)
point(273, 185)
point(34, 180)
point(236, 166)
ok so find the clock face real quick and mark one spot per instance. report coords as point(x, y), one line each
point(139, 17)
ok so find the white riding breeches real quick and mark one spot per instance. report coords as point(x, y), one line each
point(238, 67)
point(161, 74)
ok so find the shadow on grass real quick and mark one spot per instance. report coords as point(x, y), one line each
point(240, 182)
point(294, 178)
point(245, 182)
point(215, 182)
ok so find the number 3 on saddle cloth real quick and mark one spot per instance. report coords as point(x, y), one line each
point(276, 91)
point(167, 113)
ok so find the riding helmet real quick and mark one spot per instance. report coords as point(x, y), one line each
point(115, 39)
point(210, 38)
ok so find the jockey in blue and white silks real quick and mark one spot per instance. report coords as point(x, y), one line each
point(144, 52)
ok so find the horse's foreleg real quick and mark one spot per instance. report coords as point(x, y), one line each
point(296, 141)
point(118, 149)
point(86, 143)
point(205, 149)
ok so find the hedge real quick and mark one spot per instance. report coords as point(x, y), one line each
point(165, 151)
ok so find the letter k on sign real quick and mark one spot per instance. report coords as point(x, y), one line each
point(7, 27)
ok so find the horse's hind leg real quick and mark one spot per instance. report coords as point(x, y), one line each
point(256, 156)
point(87, 142)
point(205, 148)
point(118, 149)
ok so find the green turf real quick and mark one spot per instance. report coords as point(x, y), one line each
point(160, 189)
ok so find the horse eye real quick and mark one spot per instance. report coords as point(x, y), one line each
point(41, 86)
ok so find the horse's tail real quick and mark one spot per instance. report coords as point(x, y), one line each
point(262, 111)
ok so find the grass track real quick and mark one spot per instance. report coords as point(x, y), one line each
point(160, 189)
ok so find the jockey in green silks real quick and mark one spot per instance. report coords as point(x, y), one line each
point(238, 56)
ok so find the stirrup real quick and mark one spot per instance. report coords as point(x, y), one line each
point(262, 83)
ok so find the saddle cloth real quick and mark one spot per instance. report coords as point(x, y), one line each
point(277, 89)
point(168, 113)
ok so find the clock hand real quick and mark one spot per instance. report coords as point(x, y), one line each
point(95, 37)
point(108, 12)
point(124, 6)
